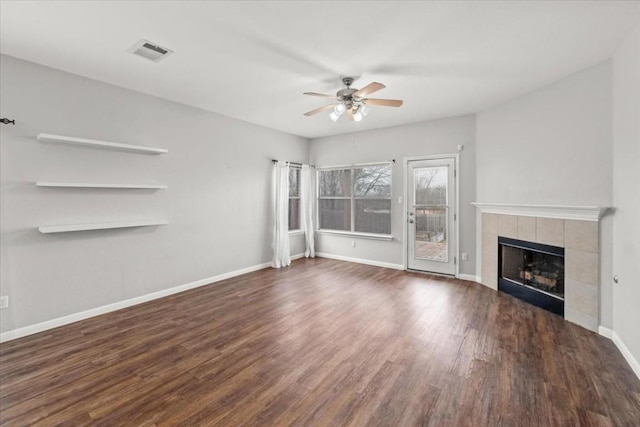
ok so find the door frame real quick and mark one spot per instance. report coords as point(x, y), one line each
point(456, 211)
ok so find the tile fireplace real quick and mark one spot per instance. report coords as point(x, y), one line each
point(569, 288)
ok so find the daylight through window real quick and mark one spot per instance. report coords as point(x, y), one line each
point(355, 199)
point(294, 198)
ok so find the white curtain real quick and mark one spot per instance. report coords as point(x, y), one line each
point(281, 257)
point(307, 198)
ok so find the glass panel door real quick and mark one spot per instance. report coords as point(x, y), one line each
point(430, 215)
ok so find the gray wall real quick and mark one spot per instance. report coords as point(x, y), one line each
point(553, 146)
point(218, 171)
point(626, 192)
point(421, 139)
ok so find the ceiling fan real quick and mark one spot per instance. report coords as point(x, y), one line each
point(353, 101)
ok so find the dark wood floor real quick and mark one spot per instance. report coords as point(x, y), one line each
point(321, 343)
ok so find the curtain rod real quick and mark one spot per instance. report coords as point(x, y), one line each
point(294, 164)
point(356, 165)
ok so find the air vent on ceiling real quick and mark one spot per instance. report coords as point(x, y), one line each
point(150, 50)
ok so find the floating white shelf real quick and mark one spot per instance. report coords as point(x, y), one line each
point(97, 226)
point(45, 137)
point(94, 185)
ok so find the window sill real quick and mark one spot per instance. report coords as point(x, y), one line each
point(296, 232)
point(371, 236)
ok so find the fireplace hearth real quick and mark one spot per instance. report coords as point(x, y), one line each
point(532, 272)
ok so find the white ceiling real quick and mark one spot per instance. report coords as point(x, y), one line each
point(253, 60)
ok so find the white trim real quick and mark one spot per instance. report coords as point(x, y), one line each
point(361, 261)
point(372, 236)
point(405, 237)
point(584, 213)
point(295, 233)
point(429, 157)
point(470, 277)
point(631, 360)
point(493, 286)
point(352, 200)
point(75, 317)
point(456, 179)
point(405, 192)
point(605, 332)
point(356, 165)
point(626, 353)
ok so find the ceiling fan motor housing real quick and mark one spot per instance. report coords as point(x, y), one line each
point(348, 81)
point(346, 95)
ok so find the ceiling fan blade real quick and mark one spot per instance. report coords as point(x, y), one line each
point(319, 94)
point(370, 88)
point(317, 110)
point(383, 102)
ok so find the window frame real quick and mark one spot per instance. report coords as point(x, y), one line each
point(299, 229)
point(353, 198)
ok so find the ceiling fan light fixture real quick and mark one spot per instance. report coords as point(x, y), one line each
point(353, 101)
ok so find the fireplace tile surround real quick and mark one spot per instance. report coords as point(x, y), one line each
point(579, 238)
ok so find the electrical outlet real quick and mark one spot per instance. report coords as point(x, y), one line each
point(4, 302)
point(464, 256)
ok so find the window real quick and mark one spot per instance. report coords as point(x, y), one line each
point(294, 198)
point(372, 188)
point(355, 199)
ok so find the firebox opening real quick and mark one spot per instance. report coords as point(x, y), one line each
point(532, 272)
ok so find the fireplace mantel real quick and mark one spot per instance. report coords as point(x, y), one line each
point(584, 213)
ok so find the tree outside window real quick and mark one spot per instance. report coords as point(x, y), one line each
point(294, 199)
point(356, 199)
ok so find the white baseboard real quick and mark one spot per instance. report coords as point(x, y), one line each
point(479, 280)
point(605, 332)
point(71, 318)
point(65, 320)
point(631, 360)
point(361, 261)
point(469, 277)
point(384, 264)
point(626, 353)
